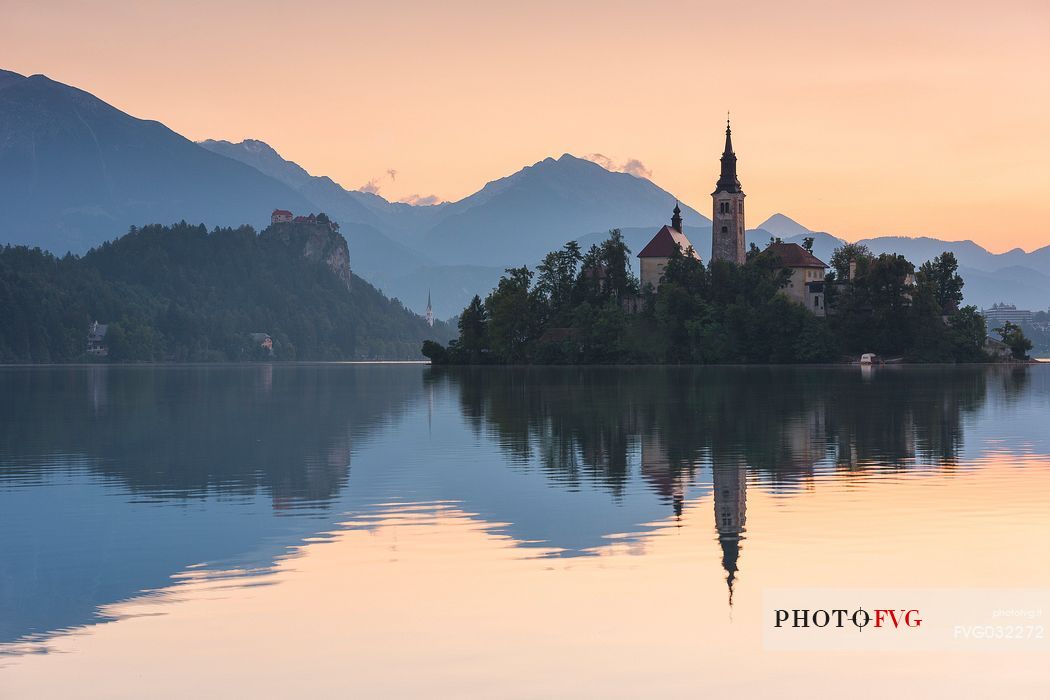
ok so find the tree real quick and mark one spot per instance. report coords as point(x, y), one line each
point(512, 315)
point(850, 253)
point(557, 279)
point(473, 329)
point(435, 352)
point(607, 269)
point(183, 293)
point(941, 276)
point(967, 331)
point(1014, 337)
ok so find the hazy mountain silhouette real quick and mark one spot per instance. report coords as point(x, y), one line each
point(369, 222)
point(1014, 276)
point(783, 227)
point(459, 249)
point(398, 219)
point(517, 219)
point(75, 171)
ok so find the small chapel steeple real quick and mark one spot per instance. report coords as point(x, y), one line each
point(676, 217)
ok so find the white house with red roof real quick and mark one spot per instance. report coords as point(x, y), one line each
point(654, 256)
point(806, 284)
point(280, 216)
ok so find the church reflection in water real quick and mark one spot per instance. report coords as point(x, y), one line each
point(711, 430)
point(123, 475)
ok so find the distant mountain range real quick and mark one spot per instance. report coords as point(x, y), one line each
point(1015, 276)
point(75, 171)
point(459, 249)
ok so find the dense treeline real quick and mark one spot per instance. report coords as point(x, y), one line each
point(888, 307)
point(584, 308)
point(729, 413)
point(183, 293)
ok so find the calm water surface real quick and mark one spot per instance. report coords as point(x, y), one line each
point(384, 531)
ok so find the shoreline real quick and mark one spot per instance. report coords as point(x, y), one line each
point(292, 363)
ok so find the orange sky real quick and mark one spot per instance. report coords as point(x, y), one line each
point(893, 118)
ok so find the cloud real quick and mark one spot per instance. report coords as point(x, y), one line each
point(375, 185)
point(421, 200)
point(637, 168)
point(602, 160)
point(372, 186)
point(632, 166)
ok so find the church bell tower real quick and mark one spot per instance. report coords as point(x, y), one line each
point(727, 222)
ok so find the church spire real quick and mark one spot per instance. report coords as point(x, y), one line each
point(729, 483)
point(727, 228)
point(727, 180)
point(676, 217)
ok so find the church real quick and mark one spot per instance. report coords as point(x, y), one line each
point(727, 225)
point(805, 284)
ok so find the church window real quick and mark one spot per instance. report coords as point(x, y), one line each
point(725, 229)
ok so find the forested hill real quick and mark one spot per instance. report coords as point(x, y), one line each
point(182, 293)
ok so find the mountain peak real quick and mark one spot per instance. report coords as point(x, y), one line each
point(8, 78)
point(261, 156)
point(783, 226)
point(76, 170)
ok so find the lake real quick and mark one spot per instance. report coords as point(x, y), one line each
point(399, 530)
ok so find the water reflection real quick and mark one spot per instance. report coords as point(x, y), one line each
point(584, 423)
point(178, 433)
point(783, 424)
point(127, 477)
point(123, 476)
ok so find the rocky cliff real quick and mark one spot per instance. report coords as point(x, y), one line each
point(316, 241)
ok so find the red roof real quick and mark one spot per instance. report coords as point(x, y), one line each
point(281, 212)
point(794, 255)
point(664, 243)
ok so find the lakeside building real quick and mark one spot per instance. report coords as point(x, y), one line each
point(262, 340)
point(997, 348)
point(806, 284)
point(654, 256)
point(96, 339)
point(1001, 313)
